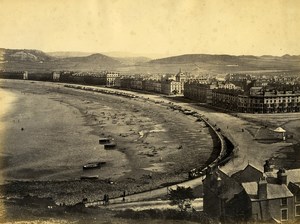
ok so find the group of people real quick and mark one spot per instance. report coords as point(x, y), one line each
point(106, 198)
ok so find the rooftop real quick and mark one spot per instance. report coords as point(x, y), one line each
point(249, 174)
point(293, 175)
point(274, 191)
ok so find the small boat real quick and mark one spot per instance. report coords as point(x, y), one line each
point(110, 145)
point(104, 141)
point(93, 165)
point(94, 177)
point(188, 112)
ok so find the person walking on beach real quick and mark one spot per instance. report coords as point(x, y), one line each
point(124, 194)
point(105, 199)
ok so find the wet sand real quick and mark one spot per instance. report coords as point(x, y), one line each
point(136, 126)
point(61, 129)
point(6, 101)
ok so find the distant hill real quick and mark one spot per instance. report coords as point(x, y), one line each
point(132, 60)
point(125, 54)
point(128, 58)
point(230, 63)
point(23, 55)
point(92, 59)
point(34, 60)
point(92, 62)
point(69, 54)
point(221, 59)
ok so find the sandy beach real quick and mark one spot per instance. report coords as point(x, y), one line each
point(6, 101)
point(52, 131)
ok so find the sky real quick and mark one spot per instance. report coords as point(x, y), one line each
point(166, 27)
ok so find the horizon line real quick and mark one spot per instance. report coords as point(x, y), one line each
point(141, 54)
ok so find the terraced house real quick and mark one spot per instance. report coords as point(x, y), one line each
point(267, 195)
point(200, 92)
point(226, 98)
point(258, 100)
point(91, 78)
point(272, 101)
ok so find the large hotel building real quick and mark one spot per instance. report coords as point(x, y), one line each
point(257, 101)
point(269, 102)
point(254, 100)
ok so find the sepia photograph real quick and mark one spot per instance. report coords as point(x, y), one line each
point(149, 111)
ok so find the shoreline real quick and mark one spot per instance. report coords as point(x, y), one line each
point(6, 99)
point(141, 181)
point(241, 139)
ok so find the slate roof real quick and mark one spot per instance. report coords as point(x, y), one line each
point(271, 177)
point(249, 174)
point(294, 188)
point(229, 187)
point(293, 175)
point(273, 191)
point(251, 189)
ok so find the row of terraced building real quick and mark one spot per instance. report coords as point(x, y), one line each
point(240, 99)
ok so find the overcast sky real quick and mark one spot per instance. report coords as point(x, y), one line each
point(166, 27)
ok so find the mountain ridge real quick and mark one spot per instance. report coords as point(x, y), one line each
point(36, 60)
point(225, 57)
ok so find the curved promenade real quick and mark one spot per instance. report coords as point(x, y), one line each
point(247, 149)
point(160, 192)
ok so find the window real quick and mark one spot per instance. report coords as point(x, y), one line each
point(284, 214)
point(297, 213)
point(297, 198)
point(283, 201)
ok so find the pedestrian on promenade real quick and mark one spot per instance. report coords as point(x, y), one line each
point(104, 199)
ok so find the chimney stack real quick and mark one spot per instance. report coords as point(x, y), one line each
point(268, 167)
point(262, 188)
point(282, 176)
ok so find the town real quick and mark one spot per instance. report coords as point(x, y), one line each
point(147, 112)
point(246, 193)
point(245, 93)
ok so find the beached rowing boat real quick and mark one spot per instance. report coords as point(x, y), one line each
point(93, 165)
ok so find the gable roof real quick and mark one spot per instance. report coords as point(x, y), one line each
point(228, 186)
point(250, 188)
point(293, 175)
point(249, 174)
point(274, 191)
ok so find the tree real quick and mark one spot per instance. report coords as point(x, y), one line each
point(182, 197)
